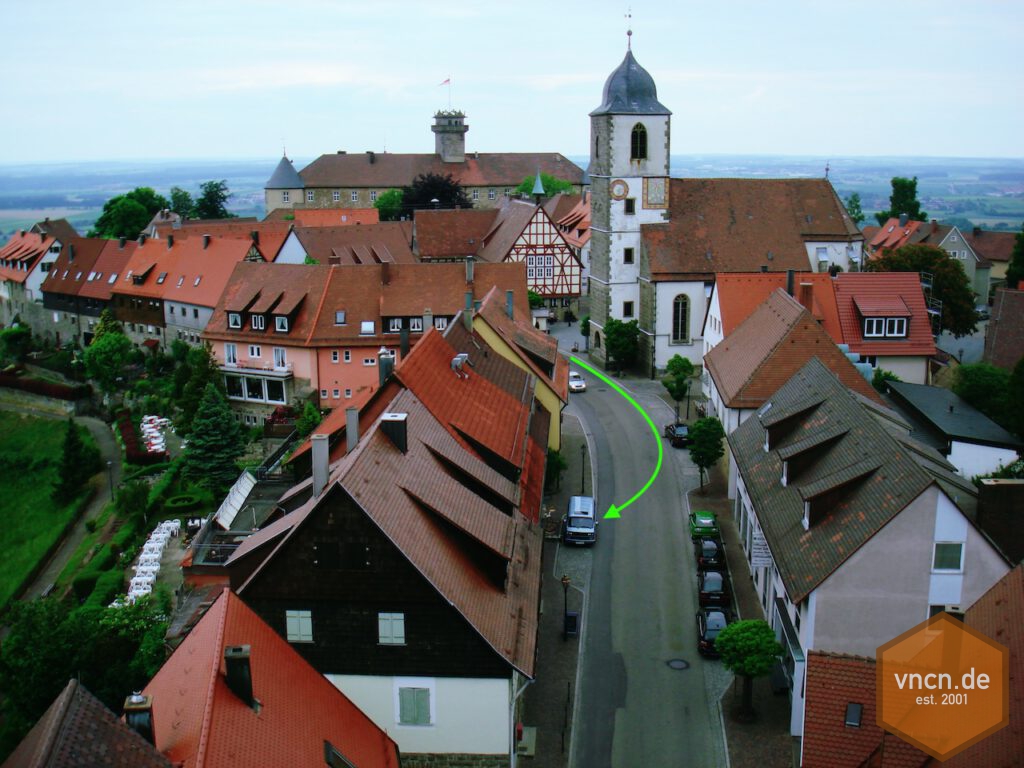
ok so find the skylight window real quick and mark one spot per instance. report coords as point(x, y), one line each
point(112, 279)
point(180, 281)
point(196, 283)
point(339, 317)
point(366, 328)
point(160, 280)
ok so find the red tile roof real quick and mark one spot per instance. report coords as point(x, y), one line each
point(21, 254)
point(1004, 336)
point(855, 289)
point(833, 682)
point(574, 223)
point(70, 276)
point(450, 234)
point(387, 241)
point(892, 235)
point(199, 721)
point(993, 246)
point(740, 293)
point(769, 348)
point(78, 731)
point(324, 217)
point(999, 614)
point(112, 262)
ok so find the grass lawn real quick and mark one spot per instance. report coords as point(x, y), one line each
point(29, 520)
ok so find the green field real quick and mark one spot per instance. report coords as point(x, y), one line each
point(30, 450)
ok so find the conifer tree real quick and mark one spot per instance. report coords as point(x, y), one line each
point(214, 443)
point(74, 469)
point(202, 370)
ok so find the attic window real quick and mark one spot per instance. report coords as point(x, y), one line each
point(234, 320)
point(180, 281)
point(334, 758)
point(196, 283)
point(366, 328)
point(113, 278)
point(92, 276)
point(160, 280)
point(885, 327)
point(258, 322)
point(281, 323)
point(339, 317)
point(853, 713)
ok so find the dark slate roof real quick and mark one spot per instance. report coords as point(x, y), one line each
point(870, 476)
point(630, 90)
point(946, 412)
point(1004, 337)
point(76, 731)
point(59, 228)
point(285, 176)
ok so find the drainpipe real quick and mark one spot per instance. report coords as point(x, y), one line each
point(512, 723)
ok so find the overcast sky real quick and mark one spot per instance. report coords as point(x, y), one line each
point(240, 79)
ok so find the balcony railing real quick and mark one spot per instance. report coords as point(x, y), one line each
point(257, 364)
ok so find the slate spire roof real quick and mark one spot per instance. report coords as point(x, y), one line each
point(630, 90)
point(285, 176)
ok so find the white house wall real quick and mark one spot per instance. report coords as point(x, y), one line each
point(847, 256)
point(292, 251)
point(34, 282)
point(470, 715)
point(971, 459)
point(912, 369)
point(665, 293)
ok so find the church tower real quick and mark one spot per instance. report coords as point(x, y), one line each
point(629, 171)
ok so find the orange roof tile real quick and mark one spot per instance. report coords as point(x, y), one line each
point(69, 274)
point(855, 289)
point(366, 244)
point(111, 263)
point(324, 217)
point(740, 293)
point(450, 234)
point(198, 720)
point(21, 254)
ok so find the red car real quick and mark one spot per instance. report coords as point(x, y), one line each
point(713, 588)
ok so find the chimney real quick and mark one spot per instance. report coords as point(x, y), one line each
point(904, 218)
point(255, 235)
point(469, 269)
point(71, 253)
point(138, 715)
point(807, 296)
point(385, 366)
point(351, 428)
point(371, 157)
point(403, 342)
point(170, 241)
point(206, 242)
point(935, 226)
point(385, 273)
point(395, 426)
point(121, 241)
point(789, 281)
point(321, 463)
point(976, 231)
point(142, 238)
point(509, 305)
point(428, 319)
point(239, 672)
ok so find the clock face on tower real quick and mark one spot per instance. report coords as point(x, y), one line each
point(619, 189)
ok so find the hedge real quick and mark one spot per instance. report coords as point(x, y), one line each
point(163, 486)
point(137, 473)
point(184, 502)
point(46, 388)
point(108, 586)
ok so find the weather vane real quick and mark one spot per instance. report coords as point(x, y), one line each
point(629, 30)
point(826, 168)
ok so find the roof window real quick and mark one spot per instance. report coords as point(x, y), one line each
point(339, 317)
point(160, 280)
point(366, 328)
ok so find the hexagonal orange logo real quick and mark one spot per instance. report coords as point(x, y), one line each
point(943, 686)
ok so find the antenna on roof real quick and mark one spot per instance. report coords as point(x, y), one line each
point(826, 169)
point(284, 149)
point(629, 29)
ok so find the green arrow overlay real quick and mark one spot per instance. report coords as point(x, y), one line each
point(613, 511)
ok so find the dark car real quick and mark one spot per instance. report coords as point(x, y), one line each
point(678, 435)
point(708, 553)
point(713, 588)
point(710, 621)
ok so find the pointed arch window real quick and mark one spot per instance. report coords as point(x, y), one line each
point(638, 143)
point(680, 319)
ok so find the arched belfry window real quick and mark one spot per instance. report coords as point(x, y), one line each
point(680, 319)
point(638, 143)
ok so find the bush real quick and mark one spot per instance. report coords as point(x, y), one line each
point(108, 586)
point(46, 388)
point(183, 502)
point(122, 540)
point(84, 584)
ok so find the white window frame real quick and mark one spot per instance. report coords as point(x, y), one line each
point(336, 393)
point(367, 328)
point(348, 356)
point(354, 196)
point(416, 324)
point(255, 351)
point(874, 327)
point(530, 273)
point(440, 323)
point(286, 196)
point(896, 327)
point(476, 194)
point(299, 626)
point(491, 194)
point(935, 553)
point(258, 322)
point(309, 195)
point(415, 683)
point(348, 394)
point(230, 353)
point(549, 271)
point(323, 394)
point(368, 361)
point(340, 317)
point(336, 195)
point(335, 356)
point(280, 358)
point(395, 325)
point(390, 628)
point(373, 195)
point(280, 323)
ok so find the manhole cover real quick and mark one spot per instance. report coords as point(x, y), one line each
point(678, 664)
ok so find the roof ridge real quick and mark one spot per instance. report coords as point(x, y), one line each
point(204, 734)
point(56, 722)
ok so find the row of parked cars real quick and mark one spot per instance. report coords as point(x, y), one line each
point(713, 595)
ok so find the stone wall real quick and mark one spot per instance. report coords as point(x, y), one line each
point(453, 761)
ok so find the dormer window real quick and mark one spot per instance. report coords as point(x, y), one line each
point(885, 327)
point(394, 325)
point(416, 324)
point(874, 327)
point(280, 323)
point(234, 320)
point(258, 322)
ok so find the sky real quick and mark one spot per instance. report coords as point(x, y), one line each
point(234, 79)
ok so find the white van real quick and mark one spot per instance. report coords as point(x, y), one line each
point(579, 526)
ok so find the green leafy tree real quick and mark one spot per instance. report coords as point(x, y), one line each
point(128, 214)
point(428, 187)
point(202, 370)
point(132, 499)
point(853, 207)
point(706, 448)
point(986, 387)
point(535, 299)
point(182, 203)
point(15, 343)
point(749, 649)
point(308, 420)
point(881, 376)
point(1015, 394)
point(214, 444)
point(389, 205)
point(553, 471)
point(949, 282)
point(903, 200)
point(1015, 270)
point(106, 324)
point(212, 200)
point(77, 465)
point(622, 342)
point(552, 185)
point(678, 371)
point(105, 359)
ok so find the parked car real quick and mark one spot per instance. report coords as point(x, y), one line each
point(703, 523)
point(982, 311)
point(710, 621)
point(579, 526)
point(713, 588)
point(678, 435)
point(709, 553)
point(576, 382)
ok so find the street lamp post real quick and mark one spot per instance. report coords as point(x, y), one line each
point(565, 606)
point(688, 383)
point(583, 469)
point(110, 477)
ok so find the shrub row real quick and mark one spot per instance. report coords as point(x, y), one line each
point(46, 388)
point(183, 502)
point(108, 586)
point(137, 473)
point(85, 582)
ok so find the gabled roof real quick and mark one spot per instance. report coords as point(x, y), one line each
point(865, 499)
point(22, 253)
point(991, 246)
point(266, 236)
point(740, 293)
point(833, 682)
point(881, 291)
point(488, 363)
point(573, 222)
point(740, 225)
point(324, 217)
point(384, 169)
point(198, 720)
point(951, 416)
point(999, 614)
point(387, 241)
point(111, 263)
point(1004, 336)
point(451, 233)
point(561, 205)
point(71, 271)
point(78, 730)
point(513, 218)
point(771, 345)
point(58, 228)
point(284, 176)
point(892, 234)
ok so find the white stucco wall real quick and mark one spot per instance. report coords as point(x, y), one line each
point(665, 294)
point(713, 335)
point(470, 715)
point(291, 252)
point(971, 459)
point(34, 282)
point(842, 254)
point(911, 369)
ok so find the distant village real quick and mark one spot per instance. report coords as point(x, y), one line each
point(404, 359)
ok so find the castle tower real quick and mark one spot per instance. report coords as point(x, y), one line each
point(629, 169)
point(450, 136)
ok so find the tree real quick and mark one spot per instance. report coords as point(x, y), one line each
point(552, 185)
point(535, 299)
point(622, 342)
point(1015, 394)
point(1015, 270)
point(182, 203)
point(214, 443)
point(903, 200)
point(105, 359)
point(679, 369)
point(706, 444)
point(986, 387)
point(853, 207)
point(202, 370)
point(389, 205)
point(881, 376)
point(553, 471)
point(212, 200)
point(748, 648)
point(15, 343)
point(77, 465)
point(128, 214)
point(949, 282)
point(308, 420)
point(107, 324)
point(428, 187)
